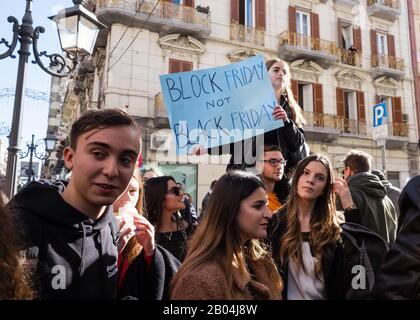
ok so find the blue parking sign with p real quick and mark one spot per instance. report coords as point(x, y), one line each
point(379, 114)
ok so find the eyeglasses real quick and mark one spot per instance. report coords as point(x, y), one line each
point(175, 191)
point(274, 162)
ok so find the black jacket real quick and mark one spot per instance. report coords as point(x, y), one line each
point(338, 260)
point(399, 277)
point(74, 256)
point(150, 283)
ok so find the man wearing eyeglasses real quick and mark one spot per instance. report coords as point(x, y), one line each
point(272, 169)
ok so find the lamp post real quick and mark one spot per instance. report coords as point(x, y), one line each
point(49, 146)
point(77, 29)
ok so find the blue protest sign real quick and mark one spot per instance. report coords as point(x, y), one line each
point(219, 105)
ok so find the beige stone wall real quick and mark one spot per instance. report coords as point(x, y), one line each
point(134, 80)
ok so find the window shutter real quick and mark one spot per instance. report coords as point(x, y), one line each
point(186, 66)
point(295, 89)
point(340, 102)
point(318, 98)
point(292, 19)
point(179, 66)
point(378, 98)
point(260, 6)
point(234, 11)
point(391, 45)
point(396, 110)
point(361, 106)
point(189, 3)
point(357, 36)
point(174, 66)
point(339, 34)
point(315, 25)
point(373, 45)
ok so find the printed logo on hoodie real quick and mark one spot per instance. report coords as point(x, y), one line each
point(112, 270)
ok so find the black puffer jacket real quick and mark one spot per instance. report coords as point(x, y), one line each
point(399, 276)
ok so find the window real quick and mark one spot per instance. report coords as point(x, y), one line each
point(382, 44)
point(350, 112)
point(305, 96)
point(247, 13)
point(388, 101)
point(189, 3)
point(179, 66)
point(394, 178)
point(303, 24)
point(347, 36)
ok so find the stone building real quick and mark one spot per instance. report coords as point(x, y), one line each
point(345, 56)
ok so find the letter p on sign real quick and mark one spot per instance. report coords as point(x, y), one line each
point(379, 114)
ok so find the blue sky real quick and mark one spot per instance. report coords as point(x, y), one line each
point(35, 113)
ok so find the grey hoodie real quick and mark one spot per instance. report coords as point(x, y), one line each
point(76, 257)
point(377, 211)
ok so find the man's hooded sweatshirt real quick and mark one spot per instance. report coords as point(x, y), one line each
point(73, 256)
point(377, 211)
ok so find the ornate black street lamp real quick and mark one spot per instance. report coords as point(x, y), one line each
point(77, 29)
point(49, 146)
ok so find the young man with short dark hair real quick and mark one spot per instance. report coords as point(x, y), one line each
point(69, 230)
point(272, 170)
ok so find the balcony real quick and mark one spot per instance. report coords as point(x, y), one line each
point(384, 9)
point(387, 66)
point(246, 34)
point(295, 46)
point(166, 17)
point(321, 127)
point(397, 136)
point(348, 4)
point(349, 57)
point(161, 115)
point(351, 126)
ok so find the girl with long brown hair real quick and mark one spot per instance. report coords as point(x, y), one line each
point(225, 258)
point(14, 281)
point(307, 238)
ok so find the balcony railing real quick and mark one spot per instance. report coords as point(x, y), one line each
point(387, 66)
point(308, 42)
point(332, 121)
point(164, 13)
point(243, 33)
point(398, 129)
point(293, 46)
point(321, 120)
point(351, 126)
point(395, 4)
point(388, 62)
point(349, 57)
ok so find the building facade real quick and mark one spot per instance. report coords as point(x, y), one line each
point(414, 26)
point(345, 56)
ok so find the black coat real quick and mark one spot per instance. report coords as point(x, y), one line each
point(399, 277)
point(338, 259)
point(150, 283)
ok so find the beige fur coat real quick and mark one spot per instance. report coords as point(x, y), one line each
point(208, 282)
